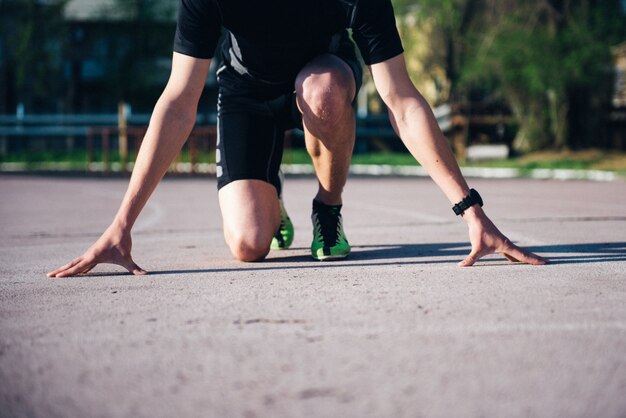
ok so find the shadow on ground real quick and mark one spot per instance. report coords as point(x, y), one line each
point(371, 255)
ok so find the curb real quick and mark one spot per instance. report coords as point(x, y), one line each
point(355, 170)
point(469, 172)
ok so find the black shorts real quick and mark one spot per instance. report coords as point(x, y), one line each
point(253, 115)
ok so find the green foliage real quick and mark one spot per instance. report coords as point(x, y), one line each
point(540, 57)
point(534, 63)
point(451, 18)
point(447, 13)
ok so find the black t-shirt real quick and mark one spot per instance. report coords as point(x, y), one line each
point(273, 39)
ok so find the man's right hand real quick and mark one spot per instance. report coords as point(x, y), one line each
point(113, 247)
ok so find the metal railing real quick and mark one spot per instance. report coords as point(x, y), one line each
point(123, 132)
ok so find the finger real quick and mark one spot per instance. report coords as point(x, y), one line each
point(470, 259)
point(65, 267)
point(510, 258)
point(77, 269)
point(134, 268)
point(475, 255)
point(87, 270)
point(515, 253)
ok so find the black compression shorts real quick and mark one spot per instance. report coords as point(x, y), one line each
point(253, 116)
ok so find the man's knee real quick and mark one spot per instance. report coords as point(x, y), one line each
point(248, 249)
point(325, 96)
point(251, 215)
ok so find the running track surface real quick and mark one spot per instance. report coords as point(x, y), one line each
point(396, 330)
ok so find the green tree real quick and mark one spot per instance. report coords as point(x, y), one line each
point(538, 56)
point(450, 21)
point(549, 60)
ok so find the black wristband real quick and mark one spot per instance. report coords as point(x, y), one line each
point(471, 199)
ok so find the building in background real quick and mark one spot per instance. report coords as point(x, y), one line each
point(85, 56)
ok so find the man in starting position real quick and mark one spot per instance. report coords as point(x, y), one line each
point(287, 64)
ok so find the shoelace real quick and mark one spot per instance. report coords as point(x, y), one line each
point(279, 235)
point(328, 224)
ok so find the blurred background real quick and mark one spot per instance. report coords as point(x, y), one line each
point(528, 83)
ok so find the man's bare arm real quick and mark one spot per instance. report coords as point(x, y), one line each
point(415, 123)
point(172, 120)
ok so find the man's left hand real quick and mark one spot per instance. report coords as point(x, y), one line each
point(487, 239)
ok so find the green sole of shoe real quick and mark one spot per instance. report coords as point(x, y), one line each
point(330, 257)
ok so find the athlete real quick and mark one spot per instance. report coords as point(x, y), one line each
point(287, 64)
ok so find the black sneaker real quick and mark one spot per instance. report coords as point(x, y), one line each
point(329, 240)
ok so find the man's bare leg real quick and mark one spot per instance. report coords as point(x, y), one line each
point(251, 216)
point(250, 208)
point(325, 89)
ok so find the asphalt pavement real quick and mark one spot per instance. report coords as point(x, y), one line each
point(395, 330)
